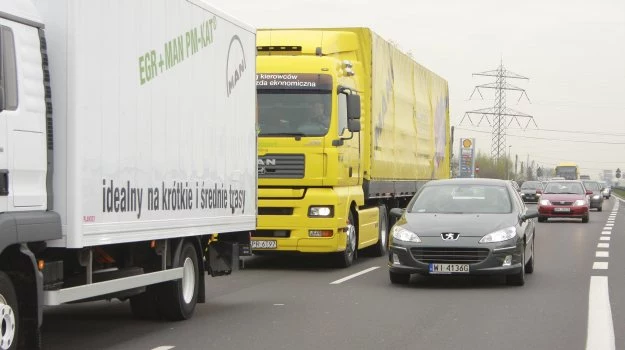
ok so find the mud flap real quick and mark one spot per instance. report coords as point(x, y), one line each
point(223, 258)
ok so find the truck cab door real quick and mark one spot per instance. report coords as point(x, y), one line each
point(349, 152)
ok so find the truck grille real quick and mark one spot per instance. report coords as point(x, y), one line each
point(281, 166)
point(450, 255)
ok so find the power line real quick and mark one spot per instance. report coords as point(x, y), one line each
point(567, 131)
point(548, 138)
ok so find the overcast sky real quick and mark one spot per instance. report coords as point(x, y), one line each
point(573, 52)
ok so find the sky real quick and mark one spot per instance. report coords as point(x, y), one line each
point(572, 51)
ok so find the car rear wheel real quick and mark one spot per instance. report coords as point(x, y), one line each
point(518, 279)
point(399, 278)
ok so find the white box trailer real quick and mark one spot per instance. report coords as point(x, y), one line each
point(127, 154)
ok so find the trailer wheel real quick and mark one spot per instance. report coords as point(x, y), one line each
point(178, 298)
point(8, 313)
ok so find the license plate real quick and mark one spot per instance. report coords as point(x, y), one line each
point(449, 268)
point(264, 244)
point(562, 210)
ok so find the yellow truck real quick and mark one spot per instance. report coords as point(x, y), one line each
point(348, 128)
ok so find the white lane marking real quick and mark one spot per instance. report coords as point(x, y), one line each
point(603, 245)
point(606, 232)
point(600, 326)
point(355, 275)
point(604, 238)
point(607, 228)
point(600, 265)
point(602, 254)
point(609, 224)
point(164, 347)
point(278, 304)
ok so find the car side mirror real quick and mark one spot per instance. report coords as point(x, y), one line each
point(530, 214)
point(539, 192)
point(588, 192)
point(397, 212)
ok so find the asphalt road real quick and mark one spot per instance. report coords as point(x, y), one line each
point(291, 303)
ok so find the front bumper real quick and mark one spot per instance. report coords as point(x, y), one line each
point(404, 257)
point(549, 211)
point(531, 198)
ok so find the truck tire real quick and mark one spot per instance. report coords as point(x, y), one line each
point(177, 299)
point(381, 247)
point(145, 305)
point(8, 314)
point(346, 258)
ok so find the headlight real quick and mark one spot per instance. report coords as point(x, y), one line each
point(499, 236)
point(522, 194)
point(595, 196)
point(545, 202)
point(401, 234)
point(538, 194)
point(321, 211)
point(579, 203)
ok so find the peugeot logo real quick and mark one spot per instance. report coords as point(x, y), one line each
point(450, 236)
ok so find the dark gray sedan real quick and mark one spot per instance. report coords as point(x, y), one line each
point(463, 226)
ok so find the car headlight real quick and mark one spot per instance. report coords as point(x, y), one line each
point(321, 211)
point(545, 202)
point(595, 196)
point(579, 203)
point(500, 235)
point(538, 194)
point(522, 194)
point(401, 234)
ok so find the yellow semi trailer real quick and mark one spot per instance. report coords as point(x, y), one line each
point(349, 127)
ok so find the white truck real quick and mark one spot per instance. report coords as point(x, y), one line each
point(127, 155)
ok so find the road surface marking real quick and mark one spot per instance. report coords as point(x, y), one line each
point(278, 304)
point(164, 347)
point(609, 224)
point(602, 254)
point(603, 245)
point(604, 238)
point(355, 275)
point(600, 265)
point(606, 232)
point(600, 327)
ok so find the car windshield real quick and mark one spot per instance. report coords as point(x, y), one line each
point(593, 186)
point(462, 199)
point(564, 188)
point(530, 185)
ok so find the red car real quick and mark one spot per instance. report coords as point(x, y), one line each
point(564, 199)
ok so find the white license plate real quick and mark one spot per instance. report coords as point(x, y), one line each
point(449, 268)
point(264, 244)
point(562, 210)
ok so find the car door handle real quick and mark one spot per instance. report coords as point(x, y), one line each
point(4, 182)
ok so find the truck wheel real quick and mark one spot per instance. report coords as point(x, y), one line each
point(177, 299)
point(8, 313)
point(144, 306)
point(346, 257)
point(380, 248)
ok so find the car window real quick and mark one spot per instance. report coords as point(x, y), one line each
point(593, 186)
point(530, 185)
point(564, 188)
point(462, 198)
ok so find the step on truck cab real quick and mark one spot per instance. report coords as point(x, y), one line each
point(127, 155)
point(349, 127)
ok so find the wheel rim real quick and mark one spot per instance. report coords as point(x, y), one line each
point(351, 240)
point(383, 233)
point(188, 280)
point(7, 317)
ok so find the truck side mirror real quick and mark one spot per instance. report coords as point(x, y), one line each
point(353, 125)
point(353, 107)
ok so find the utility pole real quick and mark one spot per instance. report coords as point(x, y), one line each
point(499, 117)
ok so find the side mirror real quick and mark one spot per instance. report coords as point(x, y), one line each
point(353, 125)
point(353, 106)
point(530, 214)
point(397, 212)
point(539, 191)
point(588, 192)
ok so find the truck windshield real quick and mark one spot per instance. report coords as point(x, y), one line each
point(293, 113)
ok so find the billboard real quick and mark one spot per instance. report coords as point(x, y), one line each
point(466, 158)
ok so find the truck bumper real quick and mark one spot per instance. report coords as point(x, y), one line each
point(284, 225)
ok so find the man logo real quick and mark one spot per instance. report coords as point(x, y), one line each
point(235, 64)
point(450, 236)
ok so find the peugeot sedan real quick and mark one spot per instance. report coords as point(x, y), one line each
point(530, 191)
point(463, 227)
point(564, 199)
point(596, 198)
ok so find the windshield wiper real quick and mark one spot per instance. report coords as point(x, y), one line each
point(283, 134)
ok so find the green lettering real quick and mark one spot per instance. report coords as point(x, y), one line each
point(141, 70)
